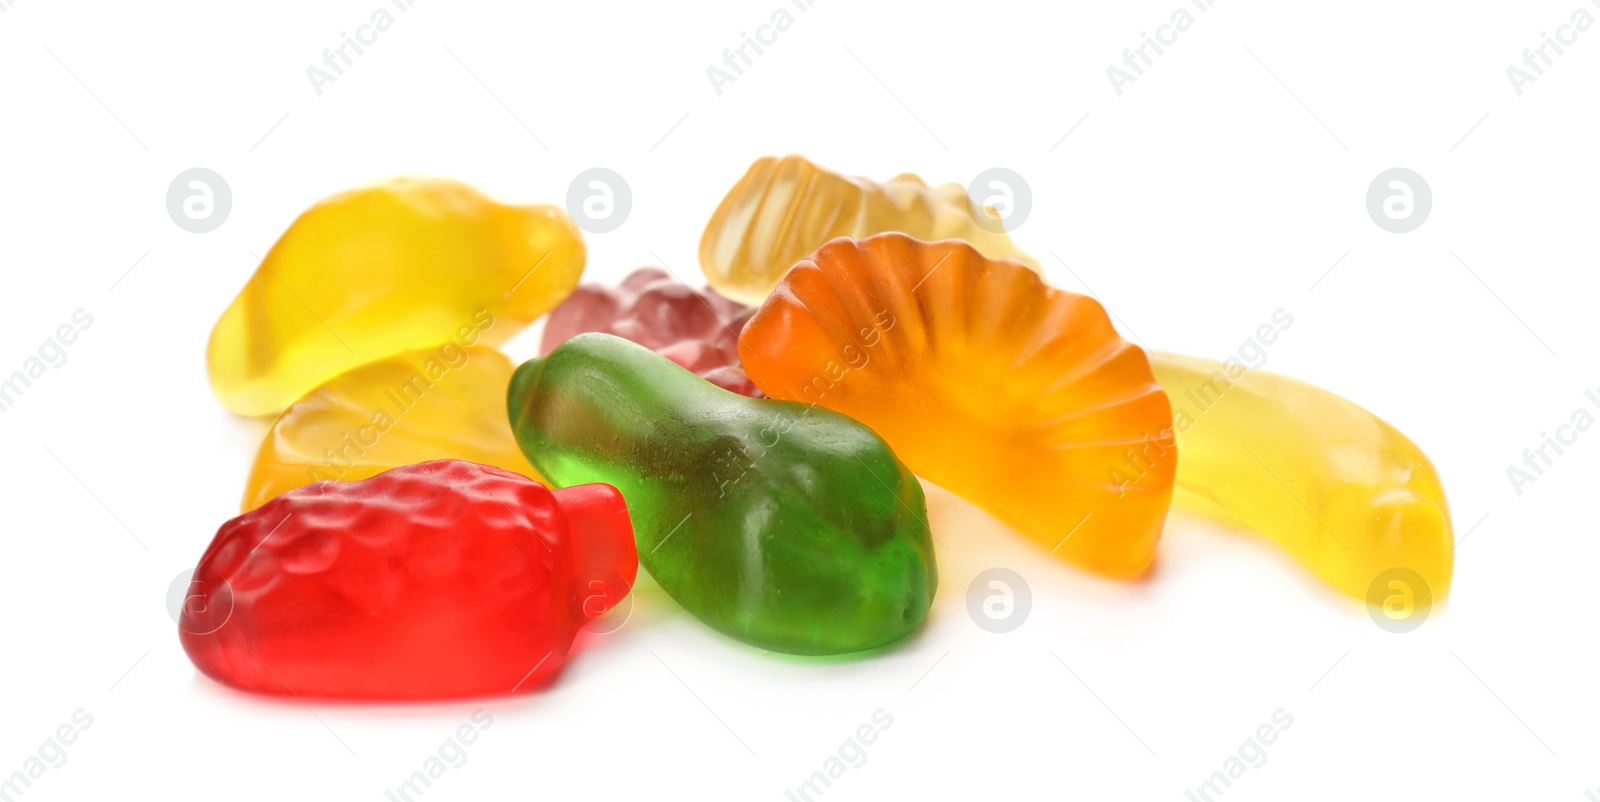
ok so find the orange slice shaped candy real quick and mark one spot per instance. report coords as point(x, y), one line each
point(1018, 397)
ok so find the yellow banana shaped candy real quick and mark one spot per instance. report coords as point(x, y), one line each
point(366, 274)
point(1342, 492)
point(783, 209)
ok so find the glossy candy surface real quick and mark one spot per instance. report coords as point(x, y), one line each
point(384, 269)
point(699, 330)
point(783, 209)
point(439, 403)
point(430, 581)
point(1341, 491)
point(790, 528)
point(1016, 396)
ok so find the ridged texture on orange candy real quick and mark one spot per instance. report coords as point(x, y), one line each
point(1018, 397)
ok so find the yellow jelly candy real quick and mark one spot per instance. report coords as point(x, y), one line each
point(1341, 491)
point(388, 268)
point(783, 209)
point(439, 403)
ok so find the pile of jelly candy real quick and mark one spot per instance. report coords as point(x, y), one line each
point(424, 519)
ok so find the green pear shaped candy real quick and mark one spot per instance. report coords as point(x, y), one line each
point(786, 526)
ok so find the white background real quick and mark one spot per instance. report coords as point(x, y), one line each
point(1196, 203)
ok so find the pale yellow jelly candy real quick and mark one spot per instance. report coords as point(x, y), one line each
point(1341, 491)
point(384, 269)
point(447, 402)
point(783, 209)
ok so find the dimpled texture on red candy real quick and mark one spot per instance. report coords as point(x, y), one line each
point(698, 329)
point(444, 579)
